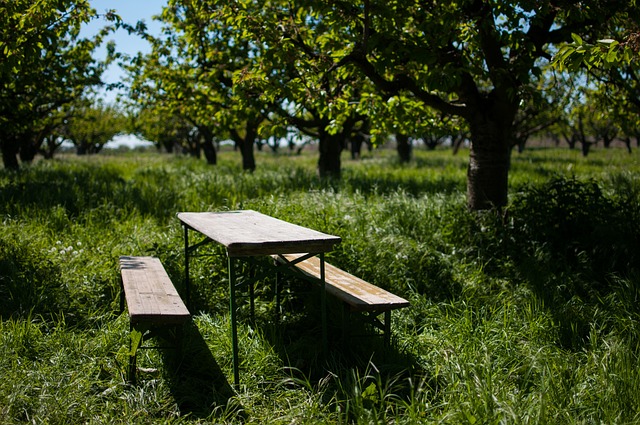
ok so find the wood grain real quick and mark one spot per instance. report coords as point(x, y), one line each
point(359, 294)
point(150, 294)
point(248, 232)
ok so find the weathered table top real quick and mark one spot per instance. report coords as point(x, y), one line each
point(247, 232)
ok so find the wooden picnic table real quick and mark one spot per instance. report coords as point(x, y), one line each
point(246, 234)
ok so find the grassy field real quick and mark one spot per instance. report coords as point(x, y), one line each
point(529, 316)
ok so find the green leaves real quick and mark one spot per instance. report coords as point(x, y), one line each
point(43, 65)
point(136, 339)
point(605, 53)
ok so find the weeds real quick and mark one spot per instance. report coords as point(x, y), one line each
point(527, 317)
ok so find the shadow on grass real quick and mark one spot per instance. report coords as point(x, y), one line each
point(357, 361)
point(78, 189)
point(197, 382)
point(30, 285)
point(353, 344)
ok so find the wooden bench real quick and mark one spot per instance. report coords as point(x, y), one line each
point(152, 301)
point(357, 294)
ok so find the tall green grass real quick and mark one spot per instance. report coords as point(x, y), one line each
point(528, 316)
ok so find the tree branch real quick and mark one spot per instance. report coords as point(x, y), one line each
point(399, 84)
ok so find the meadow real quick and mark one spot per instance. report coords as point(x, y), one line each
point(526, 316)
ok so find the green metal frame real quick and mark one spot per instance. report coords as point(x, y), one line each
point(368, 317)
point(148, 330)
point(250, 283)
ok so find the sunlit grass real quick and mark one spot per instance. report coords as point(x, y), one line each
point(513, 320)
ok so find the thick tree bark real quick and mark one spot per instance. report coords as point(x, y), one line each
point(329, 164)
point(356, 146)
point(404, 148)
point(82, 149)
point(248, 158)
point(245, 144)
point(209, 151)
point(28, 152)
point(246, 148)
point(487, 176)
point(10, 150)
point(489, 161)
point(208, 148)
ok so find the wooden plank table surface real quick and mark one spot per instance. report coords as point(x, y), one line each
point(250, 233)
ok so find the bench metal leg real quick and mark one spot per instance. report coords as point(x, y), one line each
point(346, 316)
point(387, 328)
point(187, 283)
point(323, 308)
point(277, 293)
point(234, 324)
point(252, 295)
point(131, 372)
point(121, 295)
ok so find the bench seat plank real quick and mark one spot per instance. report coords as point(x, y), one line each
point(150, 295)
point(359, 294)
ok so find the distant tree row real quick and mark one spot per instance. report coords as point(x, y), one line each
point(490, 74)
point(342, 72)
point(47, 74)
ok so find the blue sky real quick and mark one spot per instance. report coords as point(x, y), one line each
point(131, 11)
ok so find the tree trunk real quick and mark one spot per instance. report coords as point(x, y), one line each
point(10, 150)
point(489, 161)
point(403, 147)
point(208, 148)
point(356, 146)
point(28, 152)
point(329, 164)
point(246, 147)
point(571, 141)
point(209, 151)
point(81, 149)
point(168, 144)
point(245, 144)
point(248, 158)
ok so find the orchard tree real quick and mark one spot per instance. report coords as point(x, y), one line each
point(309, 119)
point(166, 130)
point(544, 108)
point(43, 137)
point(473, 58)
point(44, 65)
point(190, 73)
point(409, 120)
point(624, 108)
point(162, 84)
point(613, 65)
point(92, 124)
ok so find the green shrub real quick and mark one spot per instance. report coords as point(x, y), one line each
point(30, 284)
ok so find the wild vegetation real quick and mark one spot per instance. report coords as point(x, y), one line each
point(493, 74)
point(526, 316)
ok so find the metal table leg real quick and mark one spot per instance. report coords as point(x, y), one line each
point(234, 324)
point(186, 268)
point(323, 307)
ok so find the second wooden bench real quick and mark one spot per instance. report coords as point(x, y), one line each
point(357, 294)
point(153, 304)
